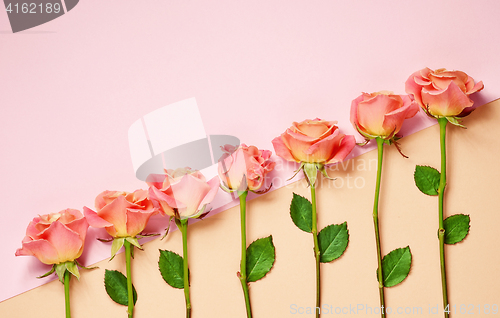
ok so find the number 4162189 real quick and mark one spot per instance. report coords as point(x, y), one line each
point(471, 309)
point(34, 8)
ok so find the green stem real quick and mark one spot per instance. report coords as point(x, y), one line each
point(442, 184)
point(183, 228)
point(380, 147)
point(128, 253)
point(316, 249)
point(67, 276)
point(243, 264)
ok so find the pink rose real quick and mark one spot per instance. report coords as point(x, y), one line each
point(183, 193)
point(56, 237)
point(381, 114)
point(443, 93)
point(122, 214)
point(245, 168)
point(314, 141)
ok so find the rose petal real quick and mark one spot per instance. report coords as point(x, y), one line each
point(313, 129)
point(107, 197)
point(344, 149)
point(155, 180)
point(115, 213)
point(42, 250)
point(80, 227)
point(371, 113)
point(191, 192)
point(66, 242)
point(393, 121)
point(32, 230)
point(94, 220)
point(282, 150)
point(158, 195)
point(479, 86)
point(322, 151)
point(137, 220)
point(451, 102)
point(413, 88)
point(214, 187)
point(354, 111)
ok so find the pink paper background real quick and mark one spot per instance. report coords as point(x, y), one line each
point(70, 89)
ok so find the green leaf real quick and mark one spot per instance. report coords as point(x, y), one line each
point(116, 287)
point(171, 268)
point(301, 213)
point(260, 258)
point(427, 179)
point(456, 228)
point(396, 266)
point(332, 241)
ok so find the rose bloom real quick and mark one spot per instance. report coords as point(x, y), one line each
point(443, 93)
point(381, 114)
point(314, 141)
point(122, 214)
point(182, 193)
point(56, 237)
point(244, 168)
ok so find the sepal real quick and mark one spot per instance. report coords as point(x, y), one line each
point(147, 235)
point(168, 228)
point(61, 269)
point(455, 121)
point(263, 191)
point(49, 272)
point(134, 241)
point(427, 112)
point(81, 266)
point(368, 137)
point(104, 240)
point(325, 174)
point(73, 269)
point(116, 246)
point(311, 171)
point(225, 189)
point(297, 171)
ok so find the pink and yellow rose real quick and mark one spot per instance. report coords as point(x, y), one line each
point(244, 168)
point(314, 141)
point(182, 193)
point(443, 93)
point(55, 238)
point(381, 114)
point(122, 214)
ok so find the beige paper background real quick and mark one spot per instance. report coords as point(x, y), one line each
point(407, 218)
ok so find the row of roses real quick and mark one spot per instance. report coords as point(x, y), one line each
point(58, 238)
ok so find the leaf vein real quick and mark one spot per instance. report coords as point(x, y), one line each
point(394, 267)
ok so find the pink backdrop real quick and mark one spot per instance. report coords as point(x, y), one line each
point(71, 88)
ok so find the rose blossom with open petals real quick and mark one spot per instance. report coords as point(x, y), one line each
point(381, 114)
point(122, 214)
point(443, 93)
point(314, 141)
point(55, 238)
point(182, 193)
point(244, 168)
